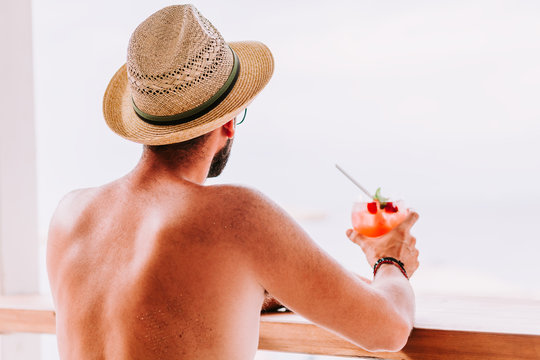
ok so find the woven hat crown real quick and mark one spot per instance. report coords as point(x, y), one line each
point(177, 60)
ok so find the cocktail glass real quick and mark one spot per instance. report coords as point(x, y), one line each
point(373, 220)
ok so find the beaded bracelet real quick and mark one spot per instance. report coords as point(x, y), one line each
point(389, 260)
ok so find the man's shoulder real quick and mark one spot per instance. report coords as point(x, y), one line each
point(247, 210)
point(233, 191)
point(238, 198)
point(70, 208)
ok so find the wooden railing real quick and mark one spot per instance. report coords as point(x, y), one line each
point(445, 328)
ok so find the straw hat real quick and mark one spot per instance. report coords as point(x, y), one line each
point(182, 79)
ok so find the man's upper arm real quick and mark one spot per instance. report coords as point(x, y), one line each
point(59, 228)
point(303, 277)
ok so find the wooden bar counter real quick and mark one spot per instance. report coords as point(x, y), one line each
point(446, 327)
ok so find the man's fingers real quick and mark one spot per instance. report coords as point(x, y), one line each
point(409, 220)
point(354, 236)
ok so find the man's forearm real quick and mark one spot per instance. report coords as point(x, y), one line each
point(395, 288)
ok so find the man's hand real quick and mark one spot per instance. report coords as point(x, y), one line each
point(398, 243)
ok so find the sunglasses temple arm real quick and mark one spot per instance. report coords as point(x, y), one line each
point(243, 117)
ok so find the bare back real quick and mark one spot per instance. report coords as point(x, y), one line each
point(151, 273)
point(168, 269)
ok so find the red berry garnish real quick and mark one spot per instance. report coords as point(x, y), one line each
point(390, 208)
point(372, 207)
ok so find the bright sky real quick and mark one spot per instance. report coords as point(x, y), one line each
point(437, 102)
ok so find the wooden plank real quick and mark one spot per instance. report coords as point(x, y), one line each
point(467, 345)
point(306, 338)
point(27, 321)
point(447, 328)
point(27, 314)
point(297, 335)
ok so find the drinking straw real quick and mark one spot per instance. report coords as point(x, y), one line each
point(354, 181)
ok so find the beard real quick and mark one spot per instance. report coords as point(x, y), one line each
point(220, 160)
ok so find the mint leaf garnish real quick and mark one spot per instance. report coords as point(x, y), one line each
point(381, 199)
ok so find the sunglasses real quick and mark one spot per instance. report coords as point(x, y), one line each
point(243, 117)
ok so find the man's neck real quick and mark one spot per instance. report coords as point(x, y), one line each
point(152, 166)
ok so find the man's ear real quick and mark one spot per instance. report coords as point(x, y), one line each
point(229, 128)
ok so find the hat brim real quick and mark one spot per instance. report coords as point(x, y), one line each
point(256, 68)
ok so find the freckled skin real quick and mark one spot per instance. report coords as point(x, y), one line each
point(141, 275)
point(156, 265)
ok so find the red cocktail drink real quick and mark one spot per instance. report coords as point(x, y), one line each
point(376, 218)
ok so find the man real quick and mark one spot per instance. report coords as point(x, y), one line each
point(155, 265)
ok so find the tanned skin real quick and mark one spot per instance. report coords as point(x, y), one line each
point(155, 265)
